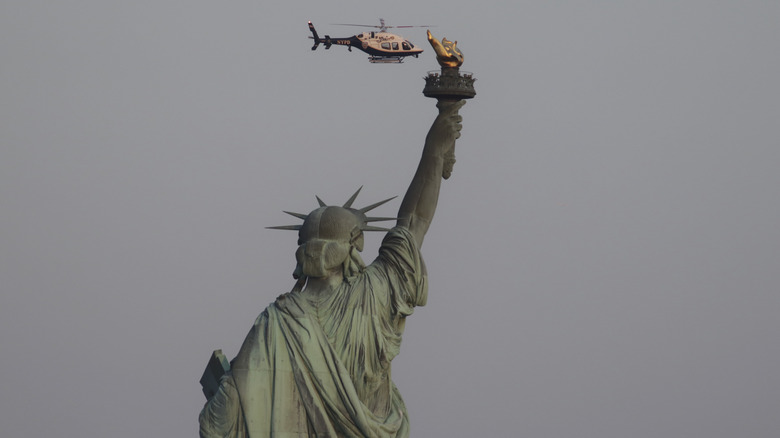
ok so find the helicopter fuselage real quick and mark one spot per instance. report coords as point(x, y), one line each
point(381, 46)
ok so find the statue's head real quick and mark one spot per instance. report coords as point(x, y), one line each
point(331, 238)
point(326, 239)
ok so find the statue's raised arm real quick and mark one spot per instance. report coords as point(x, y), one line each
point(438, 158)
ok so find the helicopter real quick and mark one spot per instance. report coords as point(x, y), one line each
point(382, 47)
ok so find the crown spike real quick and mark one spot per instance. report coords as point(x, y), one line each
point(349, 202)
point(298, 215)
point(379, 219)
point(286, 227)
point(320, 201)
point(373, 206)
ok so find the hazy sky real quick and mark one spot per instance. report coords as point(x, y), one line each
point(605, 260)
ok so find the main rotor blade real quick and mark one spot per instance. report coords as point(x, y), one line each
point(380, 27)
point(360, 25)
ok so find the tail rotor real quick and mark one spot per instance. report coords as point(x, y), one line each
point(318, 40)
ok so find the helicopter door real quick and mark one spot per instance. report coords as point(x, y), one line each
point(395, 46)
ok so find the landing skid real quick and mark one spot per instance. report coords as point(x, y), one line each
point(385, 59)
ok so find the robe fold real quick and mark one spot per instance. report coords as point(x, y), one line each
point(321, 367)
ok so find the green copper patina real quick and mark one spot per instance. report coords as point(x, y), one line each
point(316, 362)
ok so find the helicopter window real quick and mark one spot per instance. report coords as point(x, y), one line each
point(410, 44)
point(386, 46)
point(406, 45)
point(395, 46)
point(372, 34)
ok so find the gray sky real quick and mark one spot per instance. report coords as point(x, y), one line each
point(604, 260)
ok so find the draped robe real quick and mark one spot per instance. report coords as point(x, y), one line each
point(320, 366)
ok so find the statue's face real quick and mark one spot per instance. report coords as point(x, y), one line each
point(325, 240)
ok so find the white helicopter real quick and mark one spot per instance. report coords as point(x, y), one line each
point(382, 47)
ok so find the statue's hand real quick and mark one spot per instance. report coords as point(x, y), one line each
point(445, 130)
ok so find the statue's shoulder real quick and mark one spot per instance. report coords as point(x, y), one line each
point(399, 240)
point(289, 303)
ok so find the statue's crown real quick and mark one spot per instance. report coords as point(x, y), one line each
point(329, 221)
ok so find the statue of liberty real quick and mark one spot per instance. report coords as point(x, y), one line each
point(317, 361)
